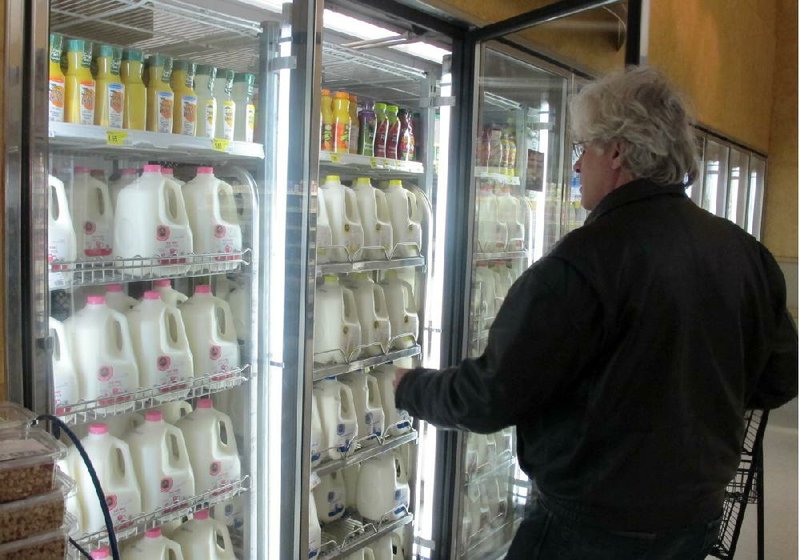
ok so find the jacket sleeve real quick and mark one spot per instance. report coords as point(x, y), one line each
point(547, 330)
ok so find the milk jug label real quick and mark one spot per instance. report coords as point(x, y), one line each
point(172, 492)
point(165, 100)
point(315, 451)
point(97, 242)
point(171, 369)
point(87, 92)
point(226, 240)
point(250, 122)
point(228, 119)
point(222, 473)
point(110, 384)
point(400, 500)
point(170, 242)
point(335, 503)
point(56, 96)
point(189, 115)
point(57, 248)
point(116, 102)
point(343, 438)
point(120, 508)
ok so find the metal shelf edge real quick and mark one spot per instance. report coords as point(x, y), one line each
point(366, 454)
point(368, 266)
point(367, 539)
point(339, 369)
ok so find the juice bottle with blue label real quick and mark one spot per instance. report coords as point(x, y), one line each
point(135, 113)
point(57, 95)
point(110, 90)
point(160, 99)
point(185, 114)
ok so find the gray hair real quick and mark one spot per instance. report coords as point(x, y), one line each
point(641, 109)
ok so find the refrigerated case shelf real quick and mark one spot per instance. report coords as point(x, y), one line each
point(353, 164)
point(368, 266)
point(138, 525)
point(503, 256)
point(359, 455)
point(156, 145)
point(349, 535)
point(124, 403)
point(321, 372)
point(496, 175)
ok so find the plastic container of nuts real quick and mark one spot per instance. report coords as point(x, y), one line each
point(13, 415)
point(35, 515)
point(47, 546)
point(27, 463)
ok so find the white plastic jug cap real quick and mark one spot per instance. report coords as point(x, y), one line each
point(129, 171)
point(202, 514)
point(115, 288)
point(96, 300)
point(152, 294)
point(153, 533)
point(165, 283)
point(205, 170)
point(100, 553)
point(151, 168)
point(98, 429)
point(167, 171)
point(395, 183)
point(205, 403)
point(81, 169)
point(202, 289)
point(153, 416)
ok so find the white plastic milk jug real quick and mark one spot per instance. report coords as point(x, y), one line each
point(103, 351)
point(153, 546)
point(118, 300)
point(373, 315)
point(337, 331)
point(215, 222)
point(160, 343)
point(375, 219)
point(114, 467)
point(324, 238)
point(397, 421)
point(317, 435)
point(492, 234)
point(161, 462)
point(350, 475)
point(212, 447)
point(61, 242)
point(338, 415)
point(345, 222)
point(71, 503)
point(367, 401)
point(241, 309)
point(406, 220)
point(402, 310)
point(127, 176)
point(314, 530)
point(361, 554)
point(151, 221)
point(174, 411)
point(382, 549)
point(211, 332)
point(169, 295)
point(66, 390)
point(491, 303)
point(92, 215)
point(330, 497)
point(502, 279)
point(204, 538)
point(169, 173)
point(511, 213)
point(120, 425)
point(383, 492)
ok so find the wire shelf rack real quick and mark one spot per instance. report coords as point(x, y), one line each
point(359, 450)
point(356, 164)
point(368, 266)
point(332, 370)
point(351, 534)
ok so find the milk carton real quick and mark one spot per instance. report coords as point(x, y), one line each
point(375, 219)
point(511, 215)
point(127, 176)
point(204, 538)
point(211, 333)
point(118, 300)
point(215, 222)
point(383, 490)
point(212, 447)
point(160, 343)
point(337, 331)
point(151, 221)
point(403, 316)
point(113, 464)
point(153, 546)
point(169, 295)
point(103, 352)
point(92, 215)
point(397, 421)
point(345, 222)
point(338, 415)
point(373, 316)
point(330, 497)
point(367, 402)
point(61, 242)
point(406, 220)
point(66, 390)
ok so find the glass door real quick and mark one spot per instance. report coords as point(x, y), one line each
point(715, 177)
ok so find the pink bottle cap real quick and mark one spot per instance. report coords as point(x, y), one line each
point(165, 283)
point(129, 171)
point(202, 514)
point(202, 289)
point(150, 168)
point(81, 169)
point(205, 170)
point(96, 300)
point(98, 429)
point(205, 403)
point(153, 416)
point(153, 533)
point(101, 553)
point(167, 171)
point(152, 294)
point(114, 288)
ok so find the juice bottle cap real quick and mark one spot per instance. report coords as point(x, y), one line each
point(202, 514)
point(205, 403)
point(326, 92)
point(114, 288)
point(101, 553)
point(74, 45)
point(129, 171)
point(180, 65)
point(167, 171)
point(202, 289)
point(392, 108)
point(96, 300)
point(353, 97)
point(81, 169)
point(205, 170)
point(98, 429)
point(105, 50)
point(341, 95)
point(153, 416)
point(164, 283)
point(133, 54)
point(152, 168)
point(153, 533)
point(152, 294)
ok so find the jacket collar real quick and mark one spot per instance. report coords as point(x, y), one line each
point(636, 190)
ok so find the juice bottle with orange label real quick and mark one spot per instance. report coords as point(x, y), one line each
point(135, 113)
point(185, 113)
point(327, 120)
point(110, 90)
point(79, 84)
point(57, 95)
point(160, 99)
point(341, 116)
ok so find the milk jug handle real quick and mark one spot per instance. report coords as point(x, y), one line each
point(349, 306)
point(351, 202)
point(374, 391)
point(61, 196)
point(107, 210)
point(226, 310)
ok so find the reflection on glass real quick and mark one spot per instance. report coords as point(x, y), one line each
point(714, 179)
point(755, 198)
point(737, 187)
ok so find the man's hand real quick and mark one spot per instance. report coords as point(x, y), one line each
point(399, 373)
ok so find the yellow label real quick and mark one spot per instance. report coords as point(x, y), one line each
point(335, 158)
point(116, 137)
point(373, 162)
point(220, 144)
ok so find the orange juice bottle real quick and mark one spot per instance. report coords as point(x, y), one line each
point(341, 116)
point(160, 99)
point(79, 84)
point(326, 136)
point(135, 113)
point(354, 124)
point(110, 90)
point(185, 114)
point(57, 94)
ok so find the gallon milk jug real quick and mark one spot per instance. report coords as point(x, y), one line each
point(120, 425)
point(402, 311)
point(212, 447)
point(92, 215)
point(215, 222)
point(169, 295)
point(350, 475)
point(231, 513)
point(151, 221)
point(317, 435)
point(153, 546)
point(367, 401)
point(373, 315)
point(212, 335)
point(65, 379)
point(161, 463)
point(61, 242)
point(338, 415)
point(345, 222)
point(160, 343)
point(112, 462)
point(337, 331)
point(314, 530)
point(375, 219)
point(118, 300)
point(406, 220)
point(241, 309)
point(169, 173)
point(330, 498)
point(492, 234)
point(361, 554)
point(397, 421)
point(71, 503)
point(398, 544)
point(103, 352)
point(382, 549)
point(324, 238)
point(383, 492)
point(511, 216)
point(174, 411)
point(204, 538)
point(491, 303)
point(127, 176)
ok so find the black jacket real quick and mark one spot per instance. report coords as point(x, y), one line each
point(626, 358)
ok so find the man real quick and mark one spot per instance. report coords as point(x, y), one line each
point(627, 356)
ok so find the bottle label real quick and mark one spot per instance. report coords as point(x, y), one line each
point(116, 102)
point(327, 137)
point(87, 92)
point(250, 122)
point(342, 140)
point(366, 138)
point(380, 139)
point(171, 243)
point(56, 94)
point(209, 123)
point(189, 115)
point(392, 140)
point(227, 239)
point(228, 119)
point(165, 100)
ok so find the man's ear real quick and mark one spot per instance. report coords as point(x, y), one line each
point(616, 154)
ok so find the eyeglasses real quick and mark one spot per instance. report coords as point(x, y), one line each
point(578, 148)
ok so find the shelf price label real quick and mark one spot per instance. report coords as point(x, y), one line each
point(373, 162)
point(116, 137)
point(335, 158)
point(220, 144)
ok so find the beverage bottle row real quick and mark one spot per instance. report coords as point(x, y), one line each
point(497, 149)
point(372, 129)
point(92, 83)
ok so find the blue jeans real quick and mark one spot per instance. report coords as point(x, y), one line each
point(544, 536)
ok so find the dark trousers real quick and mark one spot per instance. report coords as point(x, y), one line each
point(544, 536)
